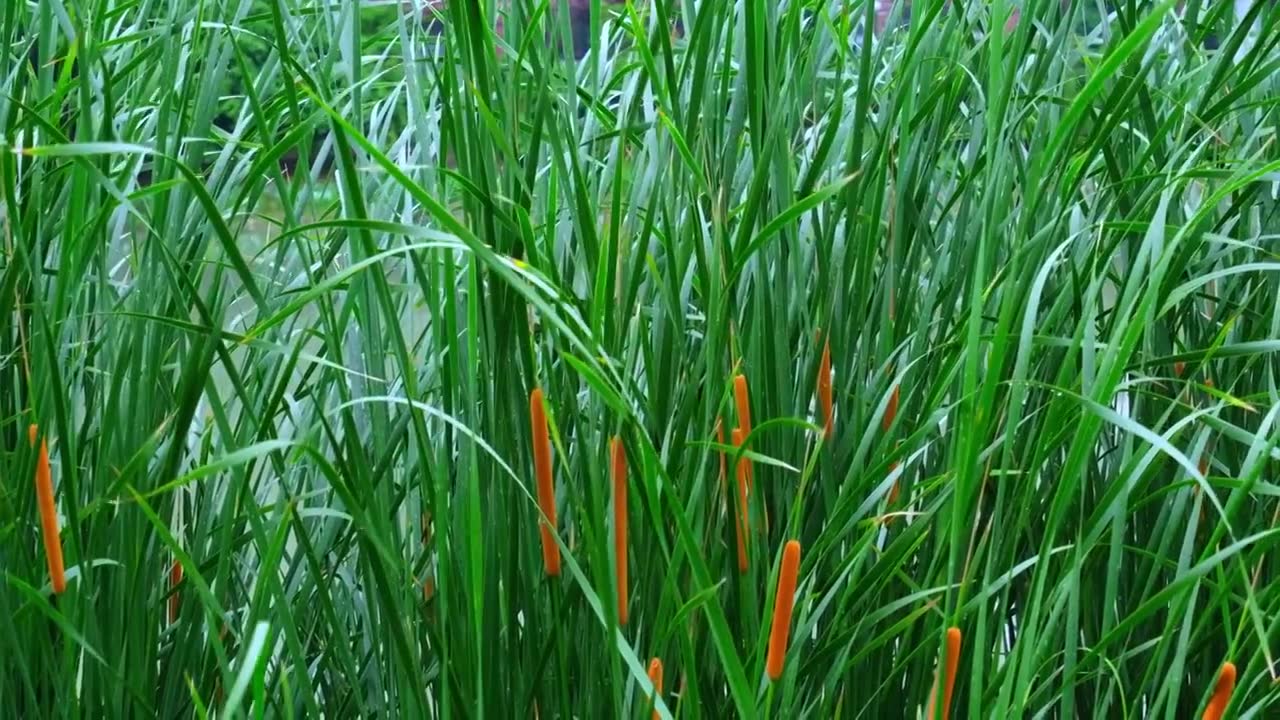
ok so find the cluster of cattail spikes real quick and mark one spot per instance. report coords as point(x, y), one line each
point(784, 600)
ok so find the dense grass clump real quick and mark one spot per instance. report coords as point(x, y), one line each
point(384, 372)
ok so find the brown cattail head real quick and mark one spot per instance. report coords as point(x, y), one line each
point(743, 401)
point(891, 411)
point(953, 660)
point(618, 463)
point(175, 579)
point(655, 677)
point(429, 588)
point(1179, 368)
point(546, 490)
point(824, 390)
point(741, 518)
point(894, 491)
point(897, 484)
point(783, 604)
point(1221, 693)
point(953, 663)
point(48, 514)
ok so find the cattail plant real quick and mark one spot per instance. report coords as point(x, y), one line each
point(741, 522)
point(894, 490)
point(890, 411)
point(953, 664)
point(783, 604)
point(1221, 693)
point(655, 677)
point(546, 490)
point(175, 579)
point(618, 464)
point(743, 401)
point(48, 514)
point(824, 390)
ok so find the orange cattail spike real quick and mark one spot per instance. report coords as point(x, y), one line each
point(429, 588)
point(891, 411)
point(48, 514)
point(897, 484)
point(952, 664)
point(783, 604)
point(893, 491)
point(742, 518)
point(546, 490)
point(824, 389)
point(1221, 693)
point(655, 677)
point(619, 464)
point(1179, 368)
point(743, 401)
point(175, 579)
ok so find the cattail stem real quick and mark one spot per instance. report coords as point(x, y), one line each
point(618, 456)
point(546, 490)
point(655, 677)
point(48, 514)
point(741, 521)
point(723, 474)
point(783, 604)
point(824, 390)
point(1221, 693)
